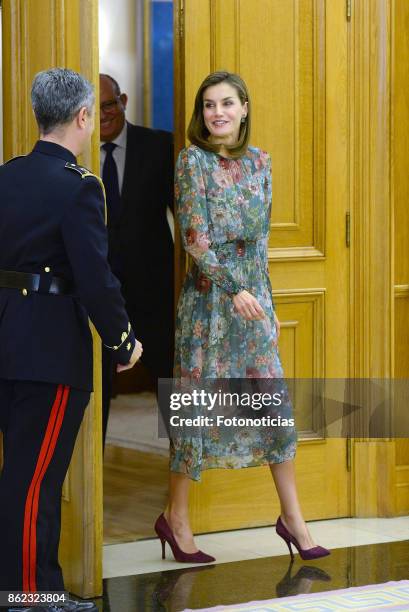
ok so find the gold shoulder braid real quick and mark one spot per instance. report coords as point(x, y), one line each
point(84, 172)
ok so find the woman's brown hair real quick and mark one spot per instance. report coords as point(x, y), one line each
point(197, 131)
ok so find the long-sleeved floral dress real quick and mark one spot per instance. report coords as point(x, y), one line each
point(223, 209)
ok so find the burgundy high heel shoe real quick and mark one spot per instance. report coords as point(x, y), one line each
point(310, 553)
point(165, 534)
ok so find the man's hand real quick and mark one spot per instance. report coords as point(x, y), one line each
point(248, 307)
point(136, 353)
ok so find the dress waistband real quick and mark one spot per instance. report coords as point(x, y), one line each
point(236, 247)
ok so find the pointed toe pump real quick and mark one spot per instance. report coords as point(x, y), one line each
point(306, 554)
point(165, 534)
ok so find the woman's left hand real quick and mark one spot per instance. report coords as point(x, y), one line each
point(278, 325)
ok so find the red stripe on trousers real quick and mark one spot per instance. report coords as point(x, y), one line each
point(51, 449)
point(30, 495)
point(31, 510)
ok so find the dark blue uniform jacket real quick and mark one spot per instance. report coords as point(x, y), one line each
point(52, 216)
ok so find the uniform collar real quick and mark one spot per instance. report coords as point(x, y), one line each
point(51, 148)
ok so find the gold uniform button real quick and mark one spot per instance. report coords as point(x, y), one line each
point(129, 346)
point(24, 292)
point(47, 269)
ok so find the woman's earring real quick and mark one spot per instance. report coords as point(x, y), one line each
point(243, 119)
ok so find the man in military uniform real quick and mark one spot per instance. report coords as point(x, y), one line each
point(53, 276)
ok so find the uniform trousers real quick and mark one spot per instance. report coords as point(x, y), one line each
point(40, 423)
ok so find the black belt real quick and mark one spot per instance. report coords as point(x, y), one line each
point(38, 283)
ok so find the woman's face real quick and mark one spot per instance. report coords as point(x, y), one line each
point(222, 113)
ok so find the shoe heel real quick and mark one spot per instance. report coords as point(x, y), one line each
point(164, 533)
point(316, 552)
point(290, 549)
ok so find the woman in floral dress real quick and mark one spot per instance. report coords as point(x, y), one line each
point(226, 325)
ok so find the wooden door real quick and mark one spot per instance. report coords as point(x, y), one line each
point(293, 54)
point(40, 34)
point(400, 178)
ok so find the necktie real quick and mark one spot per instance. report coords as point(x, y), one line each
point(111, 182)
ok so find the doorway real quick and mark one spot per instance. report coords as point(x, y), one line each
point(136, 49)
point(308, 255)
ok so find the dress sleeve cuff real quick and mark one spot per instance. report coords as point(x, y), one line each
point(236, 288)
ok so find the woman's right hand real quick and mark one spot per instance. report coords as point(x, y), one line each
point(248, 307)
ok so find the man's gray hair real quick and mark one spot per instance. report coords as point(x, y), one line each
point(57, 95)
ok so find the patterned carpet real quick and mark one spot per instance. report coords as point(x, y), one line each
point(372, 598)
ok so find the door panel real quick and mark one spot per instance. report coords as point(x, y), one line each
point(293, 56)
point(400, 152)
point(71, 40)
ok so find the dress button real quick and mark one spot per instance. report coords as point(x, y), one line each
point(47, 269)
point(24, 292)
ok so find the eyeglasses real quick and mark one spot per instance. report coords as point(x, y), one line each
point(110, 105)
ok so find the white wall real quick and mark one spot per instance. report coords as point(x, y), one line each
point(120, 48)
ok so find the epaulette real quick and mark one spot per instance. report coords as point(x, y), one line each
point(14, 158)
point(84, 172)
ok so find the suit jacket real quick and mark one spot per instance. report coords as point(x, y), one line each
point(142, 237)
point(52, 222)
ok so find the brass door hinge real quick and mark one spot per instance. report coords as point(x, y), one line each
point(181, 18)
point(349, 9)
point(348, 229)
point(349, 454)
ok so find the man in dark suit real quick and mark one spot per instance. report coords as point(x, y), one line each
point(137, 170)
point(54, 274)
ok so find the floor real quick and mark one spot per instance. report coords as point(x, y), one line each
point(253, 565)
point(144, 556)
point(135, 467)
point(133, 423)
point(131, 475)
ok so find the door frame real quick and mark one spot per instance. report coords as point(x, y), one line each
point(371, 227)
point(372, 239)
point(72, 26)
point(73, 43)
